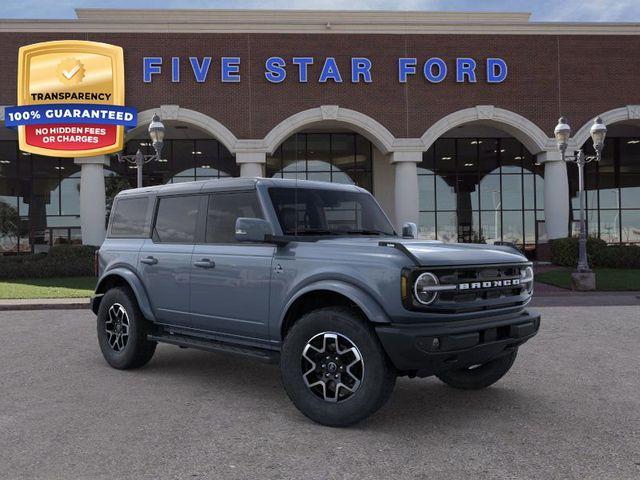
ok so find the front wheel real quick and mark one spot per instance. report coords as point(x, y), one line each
point(334, 369)
point(122, 331)
point(481, 376)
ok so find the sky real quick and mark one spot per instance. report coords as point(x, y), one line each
point(542, 10)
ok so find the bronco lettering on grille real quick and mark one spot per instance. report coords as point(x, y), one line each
point(507, 282)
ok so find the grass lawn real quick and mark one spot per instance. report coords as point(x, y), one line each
point(69, 287)
point(606, 278)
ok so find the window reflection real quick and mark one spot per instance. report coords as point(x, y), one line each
point(328, 157)
point(612, 191)
point(481, 190)
point(40, 196)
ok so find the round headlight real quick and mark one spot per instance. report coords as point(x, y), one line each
point(526, 278)
point(422, 289)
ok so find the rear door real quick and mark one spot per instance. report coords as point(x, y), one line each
point(230, 281)
point(165, 258)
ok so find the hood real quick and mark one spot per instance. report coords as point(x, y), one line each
point(434, 253)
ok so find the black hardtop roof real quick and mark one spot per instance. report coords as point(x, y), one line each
point(238, 183)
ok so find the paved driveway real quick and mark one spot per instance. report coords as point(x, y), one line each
point(570, 408)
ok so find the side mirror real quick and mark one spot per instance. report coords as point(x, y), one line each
point(410, 230)
point(252, 229)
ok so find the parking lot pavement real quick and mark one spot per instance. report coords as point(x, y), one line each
point(570, 408)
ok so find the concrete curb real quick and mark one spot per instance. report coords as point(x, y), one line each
point(45, 304)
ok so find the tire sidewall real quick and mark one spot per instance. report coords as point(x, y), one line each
point(137, 334)
point(371, 393)
point(482, 377)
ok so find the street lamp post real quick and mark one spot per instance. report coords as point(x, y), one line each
point(156, 133)
point(562, 133)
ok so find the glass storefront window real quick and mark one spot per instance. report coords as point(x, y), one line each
point(319, 152)
point(490, 192)
point(512, 192)
point(70, 196)
point(427, 195)
point(609, 225)
point(511, 156)
point(8, 159)
point(445, 194)
point(630, 190)
point(612, 191)
point(630, 224)
point(512, 227)
point(447, 227)
point(491, 225)
point(480, 190)
point(427, 227)
point(328, 157)
point(43, 193)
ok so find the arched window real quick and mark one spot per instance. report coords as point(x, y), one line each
point(328, 157)
point(480, 190)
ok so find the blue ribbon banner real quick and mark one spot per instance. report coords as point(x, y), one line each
point(70, 113)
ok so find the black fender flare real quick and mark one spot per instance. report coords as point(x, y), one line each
point(133, 281)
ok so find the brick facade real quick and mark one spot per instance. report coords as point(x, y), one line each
point(576, 75)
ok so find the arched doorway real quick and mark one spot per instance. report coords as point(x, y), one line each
point(333, 155)
point(479, 184)
point(189, 153)
point(612, 186)
point(333, 144)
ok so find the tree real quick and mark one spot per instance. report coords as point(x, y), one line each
point(9, 221)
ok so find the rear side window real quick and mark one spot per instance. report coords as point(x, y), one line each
point(129, 218)
point(176, 219)
point(224, 209)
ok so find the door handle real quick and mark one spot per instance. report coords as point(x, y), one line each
point(149, 260)
point(204, 263)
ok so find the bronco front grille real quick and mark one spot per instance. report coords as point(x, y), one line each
point(468, 289)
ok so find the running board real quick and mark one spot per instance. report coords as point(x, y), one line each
point(184, 341)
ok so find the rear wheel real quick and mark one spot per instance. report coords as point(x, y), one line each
point(122, 331)
point(334, 368)
point(481, 376)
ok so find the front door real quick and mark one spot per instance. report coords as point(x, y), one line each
point(165, 259)
point(230, 281)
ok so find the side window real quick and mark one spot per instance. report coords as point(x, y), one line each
point(129, 218)
point(176, 219)
point(224, 209)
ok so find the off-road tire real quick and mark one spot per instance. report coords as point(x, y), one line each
point(481, 376)
point(137, 350)
point(378, 374)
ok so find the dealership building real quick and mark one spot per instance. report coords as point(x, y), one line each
point(447, 118)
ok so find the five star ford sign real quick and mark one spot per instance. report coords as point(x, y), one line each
point(70, 99)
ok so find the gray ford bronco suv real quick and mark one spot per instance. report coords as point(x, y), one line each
point(311, 275)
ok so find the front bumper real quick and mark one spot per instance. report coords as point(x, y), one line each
point(425, 349)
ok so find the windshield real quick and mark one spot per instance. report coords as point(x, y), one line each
point(307, 211)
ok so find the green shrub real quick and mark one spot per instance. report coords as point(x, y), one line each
point(618, 256)
point(564, 252)
point(61, 261)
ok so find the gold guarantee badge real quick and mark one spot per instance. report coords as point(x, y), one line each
point(70, 72)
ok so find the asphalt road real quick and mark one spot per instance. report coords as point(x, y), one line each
point(570, 408)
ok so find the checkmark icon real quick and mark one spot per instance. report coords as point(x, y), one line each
point(71, 73)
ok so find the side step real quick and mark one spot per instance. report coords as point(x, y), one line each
point(185, 341)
